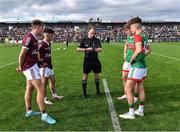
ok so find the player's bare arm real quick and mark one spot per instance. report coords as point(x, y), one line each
point(125, 50)
point(137, 51)
point(21, 59)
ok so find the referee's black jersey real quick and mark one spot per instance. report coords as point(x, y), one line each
point(90, 43)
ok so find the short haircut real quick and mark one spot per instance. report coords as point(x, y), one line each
point(135, 20)
point(48, 30)
point(126, 26)
point(138, 25)
point(37, 22)
point(91, 27)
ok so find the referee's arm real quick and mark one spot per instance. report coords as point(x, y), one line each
point(99, 47)
point(82, 48)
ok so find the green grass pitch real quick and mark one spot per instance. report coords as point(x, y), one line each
point(162, 86)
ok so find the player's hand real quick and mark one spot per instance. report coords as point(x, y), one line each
point(18, 69)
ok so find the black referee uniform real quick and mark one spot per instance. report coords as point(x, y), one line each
point(91, 61)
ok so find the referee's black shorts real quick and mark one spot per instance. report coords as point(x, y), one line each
point(94, 65)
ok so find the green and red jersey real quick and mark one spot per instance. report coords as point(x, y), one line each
point(140, 59)
point(130, 48)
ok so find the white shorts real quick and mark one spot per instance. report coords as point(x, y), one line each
point(32, 73)
point(126, 67)
point(137, 74)
point(46, 72)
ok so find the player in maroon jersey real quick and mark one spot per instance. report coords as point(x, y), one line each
point(28, 59)
point(46, 69)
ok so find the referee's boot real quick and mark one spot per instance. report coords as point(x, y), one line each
point(84, 85)
point(84, 93)
point(98, 93)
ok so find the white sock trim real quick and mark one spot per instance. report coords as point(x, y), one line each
point(44, 114)
point(131, 111)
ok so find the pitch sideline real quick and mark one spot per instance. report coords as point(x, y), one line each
point(112, 109)
point(15, 62)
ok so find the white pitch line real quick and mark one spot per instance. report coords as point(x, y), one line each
point(166, 56)
point(112, 109)
point(8, 64)
point(13, 63)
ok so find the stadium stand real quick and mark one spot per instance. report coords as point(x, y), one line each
point(106, 31)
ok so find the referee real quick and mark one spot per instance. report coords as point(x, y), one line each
point(90, 46)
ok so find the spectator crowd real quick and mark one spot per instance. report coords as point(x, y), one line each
point(155, 32)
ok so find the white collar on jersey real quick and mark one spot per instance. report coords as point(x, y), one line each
point(34, 35)
point(46, 42)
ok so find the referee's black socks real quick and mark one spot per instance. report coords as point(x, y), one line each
point(84, 85)
point(97, 86)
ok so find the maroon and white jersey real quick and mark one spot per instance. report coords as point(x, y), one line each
point(45, 53)
point(30, 42)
